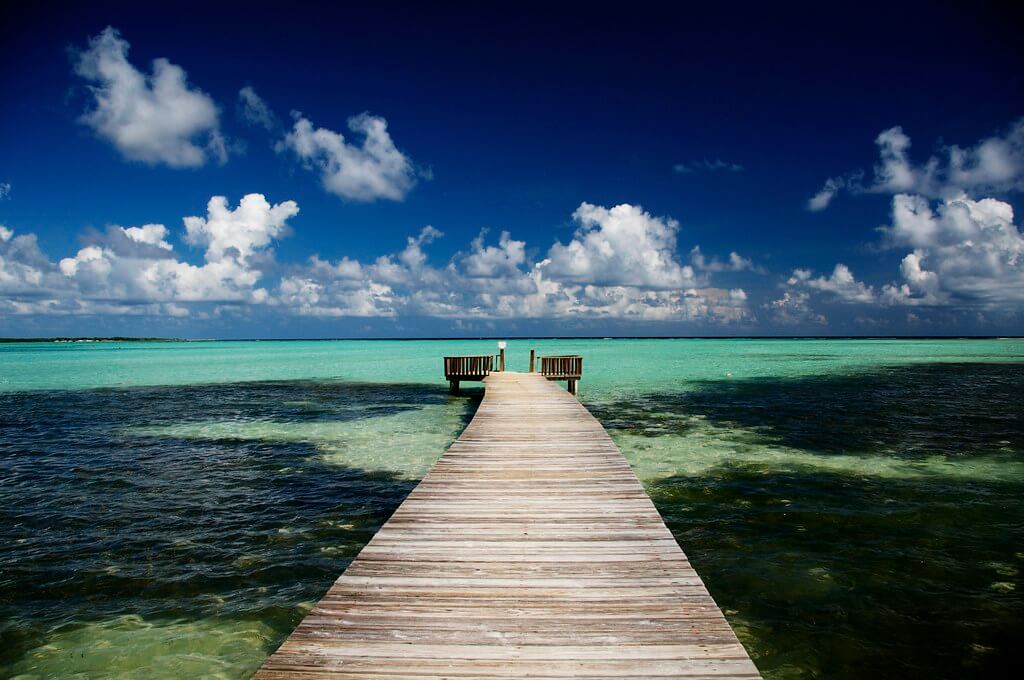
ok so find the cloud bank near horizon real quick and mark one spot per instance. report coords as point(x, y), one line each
point(621, 263)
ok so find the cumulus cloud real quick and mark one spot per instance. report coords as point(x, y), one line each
point(157, 118)
point(822, 199)
point(254, 109)
point(965, 252)
point(137, 269)
point(25, 272)
point(498, 281)
point(237, 233)
point(794, 308)
point(735, 263)
point(371, 170)
point(504, 259)
point(841, 284)
point(894, 171)
point(993, 165)
point(623, 246)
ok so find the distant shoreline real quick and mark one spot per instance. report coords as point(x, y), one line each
point(85, 339)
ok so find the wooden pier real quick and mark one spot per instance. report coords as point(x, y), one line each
point(458, 369)
point(529, 550)
point(567, 368)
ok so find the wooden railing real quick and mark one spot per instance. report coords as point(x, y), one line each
point(468, 368)
point(565, 367)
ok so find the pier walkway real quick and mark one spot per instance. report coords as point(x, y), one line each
point(529, 550)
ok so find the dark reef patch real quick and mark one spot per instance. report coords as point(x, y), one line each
point(98, 522)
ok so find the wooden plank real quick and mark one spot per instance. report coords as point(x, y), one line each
point(529, 550)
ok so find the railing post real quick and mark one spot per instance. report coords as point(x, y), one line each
point(502, 359)
point(532, 354)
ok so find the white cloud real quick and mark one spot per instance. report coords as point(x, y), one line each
point(254, 109)
point(735, 263)
point(841, 283)
point(373, 170)
point(965, 253)
point(313, 297)
point(155, 119)
point(993, 165)
point(24, 269)
point(793, 308)
point(499, 282)
point(921, 287)
point(894, 172)
point(135, 270)
point(620, 246)
point(5, 190)
point(502, 260)
point(149, 234)
point(237, 233)
point(137, 265)
point(803, 287)
point(823, 198)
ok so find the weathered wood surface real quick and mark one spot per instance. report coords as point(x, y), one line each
point(529, 550)
point(560, 368)
point(568, 368)
point(468, 367)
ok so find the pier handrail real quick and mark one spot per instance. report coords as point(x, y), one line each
point(478, 366)
point(567, 366)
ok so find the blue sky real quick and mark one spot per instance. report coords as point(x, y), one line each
point(396, 144)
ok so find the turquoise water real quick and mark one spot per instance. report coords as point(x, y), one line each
point(173, 509)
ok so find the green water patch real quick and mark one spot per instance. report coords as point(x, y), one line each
point(131, 647)
point(130, 550)
point(956, 420)
point(405, 444)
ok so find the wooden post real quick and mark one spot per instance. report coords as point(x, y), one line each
point(502, 359)
point(453, 386)
point(532, 354)
point(572, 386)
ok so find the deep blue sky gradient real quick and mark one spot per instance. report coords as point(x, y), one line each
point(521, 113)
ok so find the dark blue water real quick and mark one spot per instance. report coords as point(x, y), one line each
point(865, 524)
point(215, 547)
point(835, 565)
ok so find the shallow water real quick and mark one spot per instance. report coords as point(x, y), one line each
point(174, 509)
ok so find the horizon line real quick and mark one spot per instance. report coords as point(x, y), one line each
point(100, 338)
